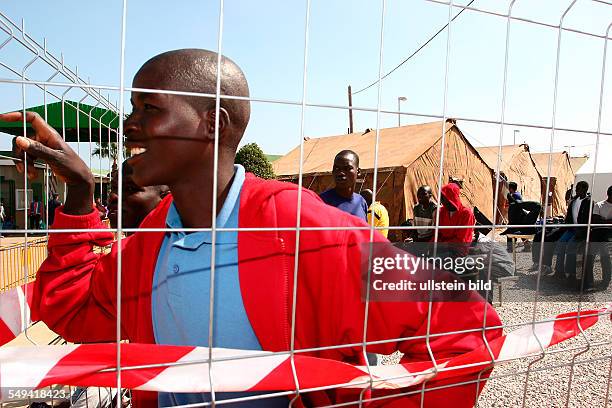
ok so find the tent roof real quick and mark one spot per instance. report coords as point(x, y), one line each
point(577, 162)
point(401, 146)
point(558, 159)
point(508, 152)
point(604, 165)
point(108, 118)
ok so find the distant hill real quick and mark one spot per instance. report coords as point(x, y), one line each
point(272, 157)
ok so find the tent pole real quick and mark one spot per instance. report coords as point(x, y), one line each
point(350, 110)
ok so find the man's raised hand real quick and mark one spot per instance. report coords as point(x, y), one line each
point(47, 145)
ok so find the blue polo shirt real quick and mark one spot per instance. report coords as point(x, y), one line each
point(355, 205)
point(181, 290)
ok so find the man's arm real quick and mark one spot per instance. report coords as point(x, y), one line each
point(75, 289)
point(596, 217)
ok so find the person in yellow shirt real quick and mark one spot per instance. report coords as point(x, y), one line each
point(381, 216)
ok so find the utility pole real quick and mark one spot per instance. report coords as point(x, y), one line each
point(350, 110)
point(399, 116)
point(514, 138)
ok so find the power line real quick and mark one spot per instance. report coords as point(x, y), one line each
point(415, 52)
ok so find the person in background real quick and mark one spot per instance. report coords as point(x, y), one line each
point(458, 181)
point(424, 215)
point(568, 195)
point(520, 213)
point(577, 213)
point(454, 213)
point(53, 204)
point(137, 202)
point(381, 215)
point(513, 194)
point(101, 208)
point(513, 199)
point(343, 196)
point(35, 213)
point(2, 217)
point(600, 242)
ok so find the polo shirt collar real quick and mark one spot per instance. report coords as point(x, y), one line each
point(196, 239)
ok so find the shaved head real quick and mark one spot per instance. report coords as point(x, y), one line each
point(195, 70)
point(349, 154)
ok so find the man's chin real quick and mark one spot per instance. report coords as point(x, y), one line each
point(343, 184)
point(143, 180)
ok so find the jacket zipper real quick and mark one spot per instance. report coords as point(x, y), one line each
point(287, 296)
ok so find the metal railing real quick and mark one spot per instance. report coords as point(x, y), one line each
point(15, 259)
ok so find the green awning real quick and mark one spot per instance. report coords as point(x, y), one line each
point(101, 119)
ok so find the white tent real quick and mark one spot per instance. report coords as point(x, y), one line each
point(603, 173)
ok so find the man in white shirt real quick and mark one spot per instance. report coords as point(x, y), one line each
point(600, 238)
point(577, 213)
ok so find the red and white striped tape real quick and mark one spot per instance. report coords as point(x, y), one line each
point(14, 312)
point(145, 366)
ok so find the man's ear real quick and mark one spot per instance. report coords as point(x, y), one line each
point(358, 172)
point(224, 122)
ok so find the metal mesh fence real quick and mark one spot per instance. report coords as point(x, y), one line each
point(575, 373)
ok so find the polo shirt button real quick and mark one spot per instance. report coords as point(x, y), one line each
point(175, 268)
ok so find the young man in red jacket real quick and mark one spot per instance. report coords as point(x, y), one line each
point(174, 138)
point(454, 213)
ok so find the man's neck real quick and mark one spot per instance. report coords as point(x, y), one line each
point(346, 192)
point(193, 196)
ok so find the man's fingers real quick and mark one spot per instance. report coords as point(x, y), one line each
point(11, 116)
point(44, 133)
point(23, 143)
point(37, 150)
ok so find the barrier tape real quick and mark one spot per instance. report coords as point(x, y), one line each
point(93, 364)
point(15, 312)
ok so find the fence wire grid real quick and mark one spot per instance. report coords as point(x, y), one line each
point(576, 373)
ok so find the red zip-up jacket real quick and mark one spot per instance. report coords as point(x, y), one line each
point(462, 216)
point(75, 291)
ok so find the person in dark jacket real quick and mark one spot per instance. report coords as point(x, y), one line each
point(53, 204)
point(520, 212)
point(577, 213)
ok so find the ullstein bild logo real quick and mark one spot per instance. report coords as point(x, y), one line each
point(430, 285)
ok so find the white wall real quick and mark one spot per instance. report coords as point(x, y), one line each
point(599, 187)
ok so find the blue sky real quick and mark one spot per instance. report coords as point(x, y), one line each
point(266, 38)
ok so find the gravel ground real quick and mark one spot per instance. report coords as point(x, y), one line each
point(571, 373)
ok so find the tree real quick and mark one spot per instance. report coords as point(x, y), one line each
point(104, 150)
point(253, 159)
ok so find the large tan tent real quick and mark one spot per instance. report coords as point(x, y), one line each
point(409, 156)
point(561, 179)
point(516, 165)
point(577, 162)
